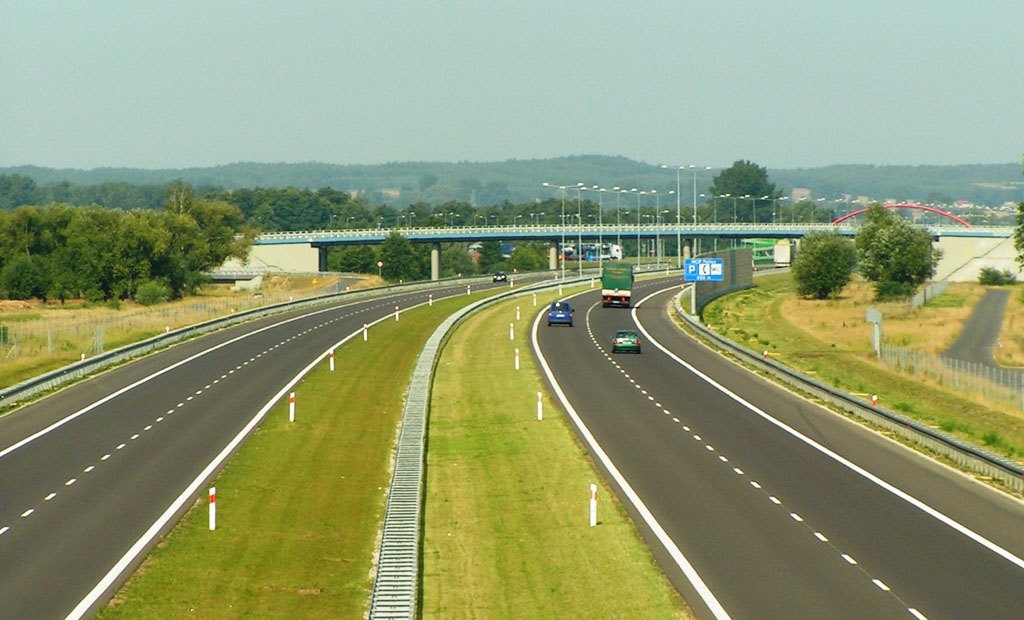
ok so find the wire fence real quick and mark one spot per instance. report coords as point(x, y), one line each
point(76, 335)
point(993, 383)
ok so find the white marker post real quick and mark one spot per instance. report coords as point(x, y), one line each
point(291, 407)
point(517, 359)
point(330, 356)
point(593, 505)
point(535, 300)
point(511, 331)
point(467, 289)
point(540, 407)
point(517, 313)
point(430, 300)
point(591, 282)
point(366, 332)
point(213, 508)
point(396, 313)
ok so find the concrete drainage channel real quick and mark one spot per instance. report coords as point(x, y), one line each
point(394, 589)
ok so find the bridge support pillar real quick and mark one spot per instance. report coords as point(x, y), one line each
point(435, 261)
point(321, 258)
point(553, 256)
point(687, 249)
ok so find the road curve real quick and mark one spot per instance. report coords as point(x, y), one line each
point(87, 471)
point(784, 509)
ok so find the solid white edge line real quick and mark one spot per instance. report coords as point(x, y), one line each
point(190, 491)
point(910, 499)
point(145, 379)
point(677, 556)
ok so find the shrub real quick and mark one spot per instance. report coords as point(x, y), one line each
point(151, 292)
point(990, 276)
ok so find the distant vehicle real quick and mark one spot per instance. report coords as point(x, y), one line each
point(782, 255)
point(560, 312)
point(500, 276)
point(616, 284)
point(626, 341)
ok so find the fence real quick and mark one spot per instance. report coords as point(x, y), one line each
point(73, 335)
point(993, 383)
point(929, 292)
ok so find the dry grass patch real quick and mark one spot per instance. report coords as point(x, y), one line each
point(1010, 351)
point(506, 523)
point(841, 356)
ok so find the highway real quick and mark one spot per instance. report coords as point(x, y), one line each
point(767, 505)
point(91, 476)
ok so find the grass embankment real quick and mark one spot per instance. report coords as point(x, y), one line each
point(299, 507)
point(506, 514)
point(830, 341)
point(37, 337)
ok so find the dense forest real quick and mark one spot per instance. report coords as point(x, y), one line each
point(400, 184)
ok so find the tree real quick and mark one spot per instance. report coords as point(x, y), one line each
point(400, 261)
point(748, 182)
point(527, 258)
point(1018, 234)
point(824, 265)
point(455, 260)
point(894, 254)
point(490, 256)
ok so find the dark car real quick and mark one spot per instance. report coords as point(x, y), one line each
point(560, 312)
point(626, 340)
point(500, 276)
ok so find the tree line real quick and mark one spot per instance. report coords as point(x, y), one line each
point(61, 252)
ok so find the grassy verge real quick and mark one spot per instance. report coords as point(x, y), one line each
point(300, 505)
point(506, 510)
point(835, 349)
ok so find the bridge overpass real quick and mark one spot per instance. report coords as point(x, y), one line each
point(305, 251)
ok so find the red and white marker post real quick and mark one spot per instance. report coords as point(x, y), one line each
point(291, 407)
point(540, 406)
point(213, 508)
point(430, 300)
point(517, 359)
point(396, 313)
point(330, 356)
point(366, 332)
point(593, 505)
point(511, 331)
point(874, 400)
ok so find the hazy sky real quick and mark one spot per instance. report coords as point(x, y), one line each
point(789, 83)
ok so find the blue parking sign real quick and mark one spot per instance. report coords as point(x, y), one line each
point(704, 269)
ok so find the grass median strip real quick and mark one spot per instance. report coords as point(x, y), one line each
point(300, 506)
point(506, 531)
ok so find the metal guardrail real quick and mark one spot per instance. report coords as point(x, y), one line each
point(395, 586)
point(964, 454)
point(50, 380)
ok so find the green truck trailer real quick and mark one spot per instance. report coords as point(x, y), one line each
point(616, 283)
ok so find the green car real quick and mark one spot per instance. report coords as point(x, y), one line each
point(626, 340)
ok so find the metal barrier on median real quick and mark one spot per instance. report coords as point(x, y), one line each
point(394, 589)
point(88, 366)
point(964, 454)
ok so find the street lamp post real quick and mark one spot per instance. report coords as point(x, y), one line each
point(638, 194)
point(561, 251)
point(579, 223)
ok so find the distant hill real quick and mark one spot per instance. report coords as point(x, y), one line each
point(518, 181)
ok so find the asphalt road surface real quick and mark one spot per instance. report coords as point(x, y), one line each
point(771, 506)
point(92, 475)
point(981, 330)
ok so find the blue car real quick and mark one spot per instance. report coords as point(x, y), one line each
point(560, 312)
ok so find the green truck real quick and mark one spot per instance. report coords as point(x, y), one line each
point(616, 283)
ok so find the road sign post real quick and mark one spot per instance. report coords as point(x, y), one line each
point(702, 270)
